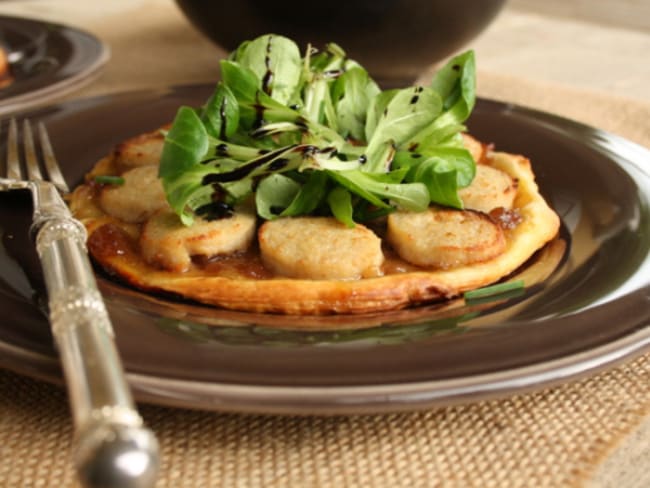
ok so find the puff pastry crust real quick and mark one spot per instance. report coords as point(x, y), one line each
point(240, 280)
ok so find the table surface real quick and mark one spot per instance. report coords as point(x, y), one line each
point(565, 59)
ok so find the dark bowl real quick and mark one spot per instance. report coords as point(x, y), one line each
point(394, 39)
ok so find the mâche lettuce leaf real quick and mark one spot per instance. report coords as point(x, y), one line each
point(276, 62)
point(316, 135)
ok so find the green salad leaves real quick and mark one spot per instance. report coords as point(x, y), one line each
point(316, 135)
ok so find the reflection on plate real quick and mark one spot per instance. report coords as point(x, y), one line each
point(45, 60)
point(588, 310)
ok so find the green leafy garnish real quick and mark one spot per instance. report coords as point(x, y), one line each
point(316, 135)
point(495, 291)
point(109, 180)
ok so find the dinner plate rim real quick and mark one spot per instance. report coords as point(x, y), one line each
point(346, 400)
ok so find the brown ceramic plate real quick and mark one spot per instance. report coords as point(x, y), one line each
point(590, 311)
point(46, 61)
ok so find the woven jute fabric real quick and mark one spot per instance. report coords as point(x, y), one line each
point(551, 438)
point(557, 437)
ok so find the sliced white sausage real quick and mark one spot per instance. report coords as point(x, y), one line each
point(319, 248)
point(475, 147)
point(141, 150)
point(167, 243)
point(491, 188)
point(442, 238)
point(137, 199)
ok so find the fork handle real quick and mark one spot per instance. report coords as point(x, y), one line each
point(112, 448)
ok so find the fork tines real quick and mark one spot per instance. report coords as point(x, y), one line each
point(31, 152)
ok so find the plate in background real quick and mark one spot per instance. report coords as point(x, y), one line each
point(47, 60)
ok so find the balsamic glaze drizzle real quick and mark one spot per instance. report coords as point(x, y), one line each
point(244, 170)
point(222, 115)
point(267, 79)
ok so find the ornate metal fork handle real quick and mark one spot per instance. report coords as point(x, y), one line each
point(112, 448)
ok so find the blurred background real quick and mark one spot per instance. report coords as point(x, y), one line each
point(633, 14)
point(599, 45)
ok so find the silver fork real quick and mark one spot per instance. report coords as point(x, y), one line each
point(112, 448)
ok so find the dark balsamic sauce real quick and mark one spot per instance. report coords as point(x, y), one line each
point(222, 114)
point(259, 113)
point(267, 79)
point(333, 73)
point(215, 210)
point(278, 164)
point(416, 97)
point(221, 150)
point(242, 171)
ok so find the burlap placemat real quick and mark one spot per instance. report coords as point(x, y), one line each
point(553, 438)
point(560, 437)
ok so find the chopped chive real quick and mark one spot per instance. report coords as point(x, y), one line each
point(109, 180)
point(498, 289)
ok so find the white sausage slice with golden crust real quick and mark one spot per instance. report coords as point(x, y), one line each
point(442, 238)
point(141, 150)
point(319, 248)
point(476, 148)
point(137, 199)
point(491, 188)
point(166, 242)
